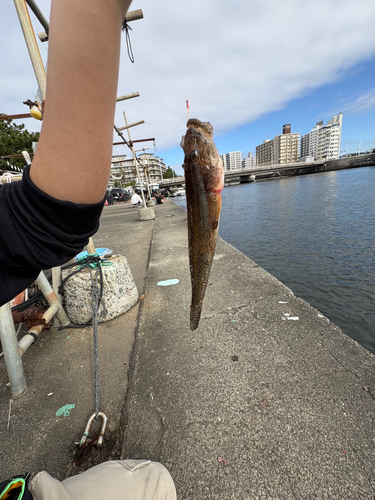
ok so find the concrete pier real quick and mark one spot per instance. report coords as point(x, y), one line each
point(267, 399)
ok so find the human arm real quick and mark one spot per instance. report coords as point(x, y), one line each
point(73, 157)
point(48, 217)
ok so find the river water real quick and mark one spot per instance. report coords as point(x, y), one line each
point(315, 233)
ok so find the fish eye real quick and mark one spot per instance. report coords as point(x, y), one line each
point(194, 156)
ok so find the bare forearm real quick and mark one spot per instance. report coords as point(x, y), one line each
point(74, 152)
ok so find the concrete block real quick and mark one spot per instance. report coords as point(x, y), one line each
point(119, 292)
point(146, 213)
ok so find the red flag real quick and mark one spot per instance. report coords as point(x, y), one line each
point(187, 104)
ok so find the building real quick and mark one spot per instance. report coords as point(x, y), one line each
point(224, 160)
point(305, 144)
point(123, 168)
point(329, 139)
point(264, 153)
point(232, 160)
point(249, 161)
point(309, 142)
point(323, 141)
point(286, 147)
point(155, 166)
point(281, 150)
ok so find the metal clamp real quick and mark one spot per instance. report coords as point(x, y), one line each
point(99, 443)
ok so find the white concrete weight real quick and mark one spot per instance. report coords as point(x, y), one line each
point(119, 292)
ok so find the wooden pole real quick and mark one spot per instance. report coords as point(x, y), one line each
point(134, 15)
point(133, 142)
point(15, 117)
point(132, 125)
point(32, 46)
point(135, 159)
point(128, 96)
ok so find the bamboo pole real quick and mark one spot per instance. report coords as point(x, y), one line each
point(134, 15)
point(128, 96)
point(131, 125)
point(135, 159)
point(15, 117)
point(133, 142)
point(32, 46)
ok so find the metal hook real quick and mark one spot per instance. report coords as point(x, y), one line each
point(99, 444)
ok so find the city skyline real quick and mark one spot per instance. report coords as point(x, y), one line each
point(321, 142)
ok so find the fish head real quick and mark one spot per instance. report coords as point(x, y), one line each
point(201, 154)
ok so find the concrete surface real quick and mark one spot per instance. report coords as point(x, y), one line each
point(267, 399)
point(59, 371)
point(266, 383)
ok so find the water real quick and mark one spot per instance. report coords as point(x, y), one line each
point(315, 233)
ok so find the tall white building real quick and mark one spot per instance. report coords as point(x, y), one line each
point(329, 138)
point(323, 141)
point(232, 160)
point(249, 161)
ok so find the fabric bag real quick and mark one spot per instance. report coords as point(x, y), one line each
point(15, 488)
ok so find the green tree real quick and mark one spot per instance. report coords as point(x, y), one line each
point(13, 140)
point(169, 173)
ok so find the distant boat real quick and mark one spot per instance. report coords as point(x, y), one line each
point(180, 192)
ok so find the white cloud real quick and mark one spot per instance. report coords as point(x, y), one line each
point(234, 61)
point(360, 104)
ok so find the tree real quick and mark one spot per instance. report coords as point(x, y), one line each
point(13, 140)
point(169, 173)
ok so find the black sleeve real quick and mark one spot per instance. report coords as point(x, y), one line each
point(38, 232)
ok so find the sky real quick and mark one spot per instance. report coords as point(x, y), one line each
point(248, 67)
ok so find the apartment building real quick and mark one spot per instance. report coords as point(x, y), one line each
point(155, 166)
point(264, 153)
point(329, 138)
point(232, 160)
point(249, 161)
point(309, 142)
point(286, 147)
point(323, 141)
point(305, 145)
point(224, 160)
point(122, 165)
point(282, 149)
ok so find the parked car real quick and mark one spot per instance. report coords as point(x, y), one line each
point(120, 194)
point(138, 191)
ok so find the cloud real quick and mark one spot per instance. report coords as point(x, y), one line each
point(359, 105)
point(234, 61)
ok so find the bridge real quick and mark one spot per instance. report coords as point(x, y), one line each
point(272, 171)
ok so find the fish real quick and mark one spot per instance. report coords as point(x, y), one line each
point(204, 182)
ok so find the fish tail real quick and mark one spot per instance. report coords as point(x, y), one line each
point(195, 314)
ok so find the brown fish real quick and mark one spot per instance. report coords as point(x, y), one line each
point(204, 181)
